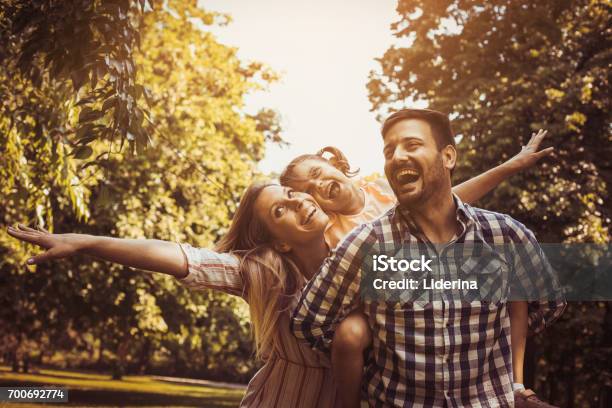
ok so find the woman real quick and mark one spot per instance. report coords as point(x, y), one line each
point(274, 245)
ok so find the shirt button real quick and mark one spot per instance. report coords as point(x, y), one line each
point(448, 359)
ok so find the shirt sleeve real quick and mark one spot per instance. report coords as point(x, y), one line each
point(333, 292)
point(535, 280)
point(207, 269)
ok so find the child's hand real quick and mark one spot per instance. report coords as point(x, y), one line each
point(529, 154)
point(57, 245)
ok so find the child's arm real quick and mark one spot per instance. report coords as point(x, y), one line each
point(518, 337)
point(475, 188)
point(148, 254)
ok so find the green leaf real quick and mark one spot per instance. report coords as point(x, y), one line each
point(82, 152)
point(87, 139)
point(110, 102)
point(84, 130)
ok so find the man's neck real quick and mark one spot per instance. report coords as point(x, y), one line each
point(437, 218)
point(309, 257)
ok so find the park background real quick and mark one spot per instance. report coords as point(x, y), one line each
point(134, 119)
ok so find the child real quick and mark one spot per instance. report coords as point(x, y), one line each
point(351, 203)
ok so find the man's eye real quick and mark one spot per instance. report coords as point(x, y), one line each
point(279, 211)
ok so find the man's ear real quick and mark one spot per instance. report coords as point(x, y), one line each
point(282, 247)
point(449, 157)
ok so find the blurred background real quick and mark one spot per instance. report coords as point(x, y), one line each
point(149, 118)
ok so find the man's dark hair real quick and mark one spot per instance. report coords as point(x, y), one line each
point(439, 123)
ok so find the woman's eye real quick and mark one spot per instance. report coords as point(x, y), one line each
point(279, 211)
point(290, 193)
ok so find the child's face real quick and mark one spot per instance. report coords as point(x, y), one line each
point(333, 190)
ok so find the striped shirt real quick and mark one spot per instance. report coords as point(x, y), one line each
point(439, 350)
point(294, 375)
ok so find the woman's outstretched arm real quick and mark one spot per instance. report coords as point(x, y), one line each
point(148, 254)
point(475, 188)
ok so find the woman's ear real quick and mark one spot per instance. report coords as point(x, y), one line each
point(282, 247)
point(449, 157)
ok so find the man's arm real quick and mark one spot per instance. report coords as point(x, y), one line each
point(333, 292)
point(534, 280)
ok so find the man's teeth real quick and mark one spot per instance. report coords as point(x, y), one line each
point(406, 172)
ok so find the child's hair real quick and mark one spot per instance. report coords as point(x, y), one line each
point(337, 159)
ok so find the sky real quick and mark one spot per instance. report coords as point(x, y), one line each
point(323, 51)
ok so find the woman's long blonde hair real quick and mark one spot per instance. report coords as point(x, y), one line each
point(271, 279)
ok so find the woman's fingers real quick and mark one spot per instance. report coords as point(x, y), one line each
point(23, 235)
point(26, 228)
point(40, 258)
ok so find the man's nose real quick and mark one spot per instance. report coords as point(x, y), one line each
point(400, 154)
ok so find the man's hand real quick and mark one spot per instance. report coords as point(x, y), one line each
point(57, 245)
point(529, 154)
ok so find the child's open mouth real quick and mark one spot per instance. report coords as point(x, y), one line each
point(333, 190)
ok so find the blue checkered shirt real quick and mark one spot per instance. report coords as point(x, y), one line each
point(443, 349)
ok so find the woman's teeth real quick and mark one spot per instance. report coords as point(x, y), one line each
point(406, 176)
point(309, 216)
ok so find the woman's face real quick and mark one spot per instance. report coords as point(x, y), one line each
point(293, 218)
point(333, 190)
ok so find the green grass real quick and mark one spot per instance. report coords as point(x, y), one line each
point(133, 390)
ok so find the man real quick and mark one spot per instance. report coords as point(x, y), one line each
point(448, 348)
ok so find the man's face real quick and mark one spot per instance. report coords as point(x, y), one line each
point(415, 168)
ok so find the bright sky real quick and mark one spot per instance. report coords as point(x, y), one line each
point(324, 51)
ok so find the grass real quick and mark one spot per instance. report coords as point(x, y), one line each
point(88, 389)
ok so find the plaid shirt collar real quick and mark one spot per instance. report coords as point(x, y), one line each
point(465, 216)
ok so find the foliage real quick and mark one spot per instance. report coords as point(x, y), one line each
point(183, 187)
point(99, 68)
point(504, 69)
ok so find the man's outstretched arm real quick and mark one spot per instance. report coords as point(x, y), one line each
point(333, 292)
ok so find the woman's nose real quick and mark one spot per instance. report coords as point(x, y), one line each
point(297, 201)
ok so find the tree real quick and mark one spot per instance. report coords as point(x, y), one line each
point(504, 69)
point(183, 186)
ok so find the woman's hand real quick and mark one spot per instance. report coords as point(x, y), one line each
point(57, 245)
point(529, 154)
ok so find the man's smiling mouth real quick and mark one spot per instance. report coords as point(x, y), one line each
point(406, 176)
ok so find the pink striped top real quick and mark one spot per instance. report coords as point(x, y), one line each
point(294, 375)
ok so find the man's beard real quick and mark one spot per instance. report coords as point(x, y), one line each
point(433, 182)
